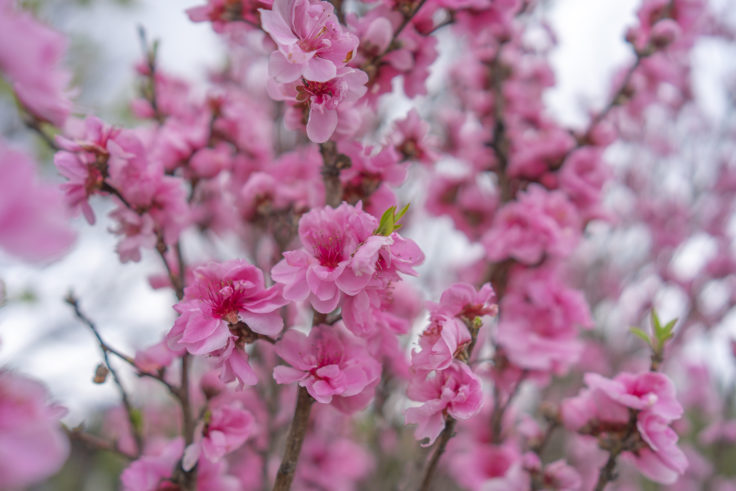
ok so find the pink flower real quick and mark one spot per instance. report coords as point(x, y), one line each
point(321, 270)
point(489, 467)
point(221, 296)
point(464, 301)
point(661, 460)
point(311, 42)
point(540, 223)
point(33, 218)
point(155, 357)
point(83, 162)
point(153, 470)
point(608, 404)
point(225, 428)
point(440, 343)
point(332, 464)
point(321, 104)
point(412, 140)
point(330, 363)
point(470, 206)
point(540, 326)
point(455, 390)
point(31, 56)
point(32, 445)
point(560, 476)
point(341, 256)
point(447, 334)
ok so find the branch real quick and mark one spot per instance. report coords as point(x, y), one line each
point(294, 441)
point(105, 348)
point(33, 123)
point(607, 473)
point(95, 442)
point(500, 409)
point(333, 163)
point(447, 433)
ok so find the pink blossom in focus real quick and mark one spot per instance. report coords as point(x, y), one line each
point(320, 103)
point(322, 270)
point(329, 363)
point(439, 343)
point(221, 296)
point(32, 444)
point(447, 334)
point(311, 42)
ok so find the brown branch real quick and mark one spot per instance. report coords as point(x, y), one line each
point(441, 444)
point(333, 163)
point(294, 441)
point(607, 473)
point(188, 478)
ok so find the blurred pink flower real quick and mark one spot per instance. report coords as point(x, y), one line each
point(31, 57)
point(32, 444)
point(33, 217)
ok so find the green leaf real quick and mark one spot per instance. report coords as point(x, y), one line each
point(640, 333)
point(655, 322)
point(670, 326)
point(388, 224)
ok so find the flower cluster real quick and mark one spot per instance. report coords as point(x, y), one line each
point(638, 411)
point(441, 379)
point(309, 68)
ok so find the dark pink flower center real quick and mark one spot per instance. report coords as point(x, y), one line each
point(225, 300)
point(329, 251)
point(316, 92)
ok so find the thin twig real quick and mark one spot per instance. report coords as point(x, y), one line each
point(188, 423)
point(499, 410)
point(130, 411)
point(34, 124)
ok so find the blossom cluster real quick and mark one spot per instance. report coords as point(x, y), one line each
point(317, 323)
